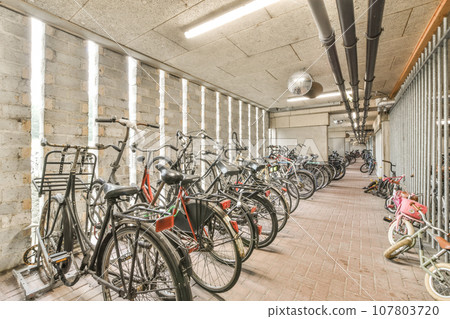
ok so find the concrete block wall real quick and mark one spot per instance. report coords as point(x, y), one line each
point(194, 99)
point(244, 137)
point(235, 116)
point(210, 113)
point(147, 108)
point(253, 128)
point(112, 101)
point(223, 119)
point(260, 131)
point(266, 132)
point(173, 106)
point(15, 138)
point(66, 96)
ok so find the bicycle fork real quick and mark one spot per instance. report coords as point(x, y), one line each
point(425, 263)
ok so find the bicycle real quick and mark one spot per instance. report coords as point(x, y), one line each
point(437, 275)
point(130, 260)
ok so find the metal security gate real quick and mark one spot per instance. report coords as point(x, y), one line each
point(419, 122)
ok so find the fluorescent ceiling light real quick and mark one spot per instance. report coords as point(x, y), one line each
point(322, 96)
point(228, 17)
point(354, 115)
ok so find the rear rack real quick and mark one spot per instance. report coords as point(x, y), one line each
point(56, 171)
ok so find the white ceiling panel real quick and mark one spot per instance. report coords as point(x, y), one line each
point(253, 56)
point(126, 20)
point(157, 46)
point(61, 8)
point(280, 31)
point(262, 61)
point(213, 54)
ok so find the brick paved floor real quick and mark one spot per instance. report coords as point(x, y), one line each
point(331, 249)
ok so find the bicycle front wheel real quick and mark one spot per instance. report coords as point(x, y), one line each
point(398, 248)
point(305, 183)
point(155, 273)
point(364, 168)
point(396, 233)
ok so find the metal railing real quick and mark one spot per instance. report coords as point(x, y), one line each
point(419, 124)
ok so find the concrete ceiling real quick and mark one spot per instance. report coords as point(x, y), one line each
point(254, 56)
point(345, 125)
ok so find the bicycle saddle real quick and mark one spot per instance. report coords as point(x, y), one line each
point(254, 166)
point(172, 177)
point(228, 169)
point(169, 176)
point(115, 191)
point(443, 243)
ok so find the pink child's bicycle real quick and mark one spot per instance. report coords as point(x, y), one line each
point(405, 217)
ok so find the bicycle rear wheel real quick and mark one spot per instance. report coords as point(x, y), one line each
point(439, 289)
point(247, 230)
point(265, 217)
point(156, 275)
point(293, 193)
point(280, 205)
point(216, 250)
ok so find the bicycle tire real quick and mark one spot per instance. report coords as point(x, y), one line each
point(364, 168)
point(156, 262)
point(280, 205)
point(439, 291)
point(398, 248)
point(389, 204)
point(293, 193)
point(246, 229)
point(330, 174)
point(265, 217)
point(305, 183)
point(371, 169)
point(203, 251)
point(407, 229)
point(341, 172)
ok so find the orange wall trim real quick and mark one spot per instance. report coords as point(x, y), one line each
point(441, 11)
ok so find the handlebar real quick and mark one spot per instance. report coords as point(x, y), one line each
point(134, 147)
point(44, 143)
point(125, 122)
point(110, 120)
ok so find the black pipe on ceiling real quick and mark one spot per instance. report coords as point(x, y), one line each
point(327, 37)
point(347, 21)
point(374, 30)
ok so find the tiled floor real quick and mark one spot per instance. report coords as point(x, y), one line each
point(331, 249)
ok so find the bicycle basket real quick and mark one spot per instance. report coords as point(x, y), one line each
point(411, 211)
point(56, 171)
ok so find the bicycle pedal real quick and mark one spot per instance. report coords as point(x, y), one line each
point(387, 219)
point(59, 257)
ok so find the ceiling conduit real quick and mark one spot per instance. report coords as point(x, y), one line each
point(347, 22)
point(327, 37)
point(374, 29)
